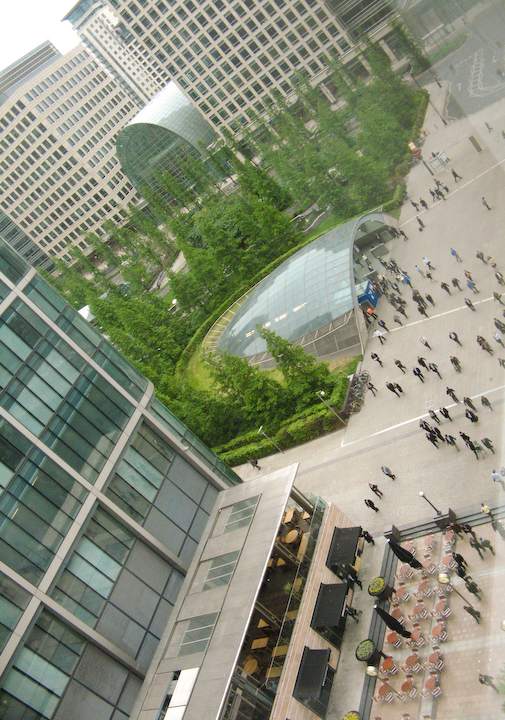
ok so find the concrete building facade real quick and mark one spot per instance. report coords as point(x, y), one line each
point(59, 174)
point(104, 497)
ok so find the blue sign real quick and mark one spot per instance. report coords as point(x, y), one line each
point(369, 295)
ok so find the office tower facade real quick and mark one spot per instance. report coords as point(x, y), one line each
point(104, 496)
point(229, 56)
point(108, 40)
point(59, 174)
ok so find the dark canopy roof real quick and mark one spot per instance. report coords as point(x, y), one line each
point(343, 547)
point(311, 674)
point(329, 606)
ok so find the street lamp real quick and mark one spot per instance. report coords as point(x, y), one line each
point(434, 108)
point(320, 394)
point(421, 494)
point(444, 579)
point(262, 432)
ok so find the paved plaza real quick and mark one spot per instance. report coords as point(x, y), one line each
point(340, 466)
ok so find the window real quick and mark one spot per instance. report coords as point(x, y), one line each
point(220, 570)
point(197, 634)
point(241, 514)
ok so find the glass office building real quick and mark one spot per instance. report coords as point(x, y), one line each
point(312, 297)
point(104, 496)
point(167, 133)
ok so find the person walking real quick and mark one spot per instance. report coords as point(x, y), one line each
point(489, 128)
point(484, 202)
point(402, 311)
point(455, 255)
point(473, 612)
point(465, 437)
point(399, 388)
point(382, 324)
point(498, 339)
point(396, 319)
point(499, 277)
point(472, 416)
point(430, 299)
point(486, 403)
point(450, 391)
point(469, 304)
point(254, 463)
point(400, 366)
point(414, 205)
point(422, 362)
point(433, 415)
point(432, 193)
point(422, 310)
point(445, 287)
point(440, 195)
point(497, 298)
point(456, 176)
point(368, 537)
point(487, 511)
point(451, 440)
point(445, 413)
point(369, 503)
point(388, 472)
point(425, 342)
point(434, 368)
point(353, 613)
point(371, 313)
point(391, 387)
point(375, 490)
point(455, 283)
point(471, 286)
point(488, 680)
point(501, 362)
point(454, 336)
point(455, 363)
point(499, 325)
point(480, 256)
point(475, 544)
point(472, 587)
point(371, 387)
point(418, 374)
point(439, 435)
point(375, 357)
point(404, 236)
point(495, 475)
point(460, 560)
point(432, 438)
point(428, 264)
point(468, 402)
point(380, 336)
point(486, 545)
point(421, 224)
point(423, 203)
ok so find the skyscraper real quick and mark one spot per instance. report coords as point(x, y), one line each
point(104, 496)
point(60, 177)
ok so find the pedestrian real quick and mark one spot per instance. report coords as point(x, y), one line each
point(460, 570)
point(422, 362)
point(480, 256)
point(430, 277)
point(371, 387)
point(487, 511)
point(455, 363)
point(498, 339)
point(400, 366)
point(254, 463)
point(445, 287)
point(406, 280)
point(438, 434)
point(424, 425)
point(402, 311)
point(375, 357)
point(396, 319)
point(399, 388)
point(352, 575)
point(352, 612)
point(451, 440)
point(487, 679)
point(486, 403)
point(403, 235)
point(419, 270)
point(497, 298)
point(428, 264)
point(440, 195)
point(499, 277)
point(433, 196)
point(425, 342)
point(422, 311)
point(369, 503)
point(449, 391)
point(433, 439)
point(468, 274)
point(423, 203)
point(472, 416)
point(472, 587)
point(465, 437)
point(453, 336)
point(471, 286)
point(501, 362)
point(375, 489)
point(414, 205)
point(371, 313)
point(421, 224)
point(486, 545)
point(418, 374)
point(496, 476)
point(489, 128)
point(368, 537)
point(433, 415)
point(380, 336)
point(455, 255)
point(391, 387)
point(383, 325)
point(434, 368)
point(460, 559)
point(473, 612)
point(499, 325)
point(484, 202)
point(469, 304)
point(455, 283)
point(468, 402)
point(387, 472)
point(455, 175)
point(475, 544)
point(468, 530)
point(430, 299)
point(443, 411)
point(480, 450)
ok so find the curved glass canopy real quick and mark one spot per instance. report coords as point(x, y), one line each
point(313, 287)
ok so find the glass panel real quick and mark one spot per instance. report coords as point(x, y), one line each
point(79, 330)
point(4, 290)
point(12, 265)
point(121, 370)
point(43, 295)
point(197, 634)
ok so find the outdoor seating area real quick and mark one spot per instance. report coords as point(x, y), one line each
point(413, 669)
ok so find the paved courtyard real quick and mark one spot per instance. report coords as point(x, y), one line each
point(340, 466)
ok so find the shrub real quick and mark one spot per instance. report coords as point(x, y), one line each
point(305, 429)
point(245, 453)
point(330, 422)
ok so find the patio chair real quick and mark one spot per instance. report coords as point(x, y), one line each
point(437, 691)
point(413, 692)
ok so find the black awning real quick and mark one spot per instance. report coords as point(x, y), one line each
point(343, 547)
point(311, 674)
point(329, 606)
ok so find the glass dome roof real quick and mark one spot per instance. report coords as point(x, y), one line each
point(310, 289)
